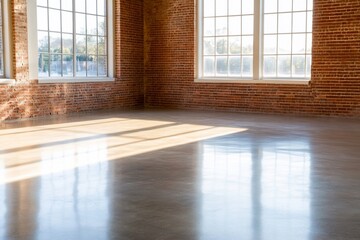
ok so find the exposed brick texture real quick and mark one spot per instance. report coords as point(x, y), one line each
point(29, 98)
point(160, 36)
point(170, 48)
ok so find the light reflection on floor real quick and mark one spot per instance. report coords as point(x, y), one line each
point(77, 195)
point(24, 158)
point(180, 175)
point(255, 190)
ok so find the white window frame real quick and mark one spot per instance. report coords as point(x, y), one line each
point(6, 78)
point(33, 49)
point(257, 53)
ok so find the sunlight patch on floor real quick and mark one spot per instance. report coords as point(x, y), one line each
point(40, 150)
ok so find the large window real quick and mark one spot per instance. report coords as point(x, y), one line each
point(72, 38)
point(255, 39)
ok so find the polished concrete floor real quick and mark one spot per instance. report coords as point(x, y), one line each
point(179, 175)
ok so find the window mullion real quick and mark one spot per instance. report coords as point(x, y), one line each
point(257, 42)
point(61, 41)
point(74, 37)
point(97, 40)
point(2, 42)
point(49, 45)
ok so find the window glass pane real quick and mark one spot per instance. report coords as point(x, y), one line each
point(247, 6)
point(247, 66)
point(67, 5)
point(102, 66)
point(209, 46)
point(67, 65)
point(299, 5)
point(67, 22)
point(221, 26)
point(284, 66)
point(55, 65)
point(67, 43)
point(235, 66)
point(54, 4)
point(235, 45)
point(209, 66)
point(102, 45)
point(270, 23)
point(91, 25)
point(270, 66)
point(209, 26)
point(55, 42)
point(43, 42)
point(221, 8)
point(41, 3)
point(247, 45)
point(80, 65)
point(247, 25)
point(101, 7)
point(270, 44)
point(285, 5)
point(299, 22)
point(309, 4)
point(285, 23)
point(42, 18)
point(43, 64)
point(91, 45)
point(270, 6)
point(221, 66)
point(101, 26)
point(234, 7)
point(91, 6)
point(221, 45)
point(80, 6)
point(309, 22)
point(299, 43)
point(54, 24)
point(209, 8)
point(81, 44)
point(80, 23)
point(92, 66)
point(284, 46)
point(235, 25)
point(299, 66)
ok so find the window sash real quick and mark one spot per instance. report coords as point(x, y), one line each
point(74, 55)
point(258, 45)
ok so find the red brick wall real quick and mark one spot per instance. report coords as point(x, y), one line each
point(170, 59)
point(28, 98)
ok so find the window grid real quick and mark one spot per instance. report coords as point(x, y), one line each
point(77, 63)
point(224, 50)
point(289, 69)
point(2, 74)
point(298, 61)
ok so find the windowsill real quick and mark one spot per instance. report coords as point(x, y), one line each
point(250, 81)
point(5, 81)
point(76, 80)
